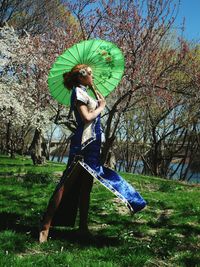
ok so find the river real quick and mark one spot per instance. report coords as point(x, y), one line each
point(194, 179)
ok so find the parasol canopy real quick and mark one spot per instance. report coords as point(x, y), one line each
point(104, 58)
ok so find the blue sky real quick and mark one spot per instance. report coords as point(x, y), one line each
point(190, 9)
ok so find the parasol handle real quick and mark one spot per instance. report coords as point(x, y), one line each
point(95, 91)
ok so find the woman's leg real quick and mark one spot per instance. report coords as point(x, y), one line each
point(51, 208)
point(87, 182)
point(48, 216)
point(62, 189)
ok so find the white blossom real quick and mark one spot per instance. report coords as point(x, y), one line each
point(19, 84)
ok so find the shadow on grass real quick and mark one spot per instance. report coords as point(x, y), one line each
point(22, 202)
point(16, 165)
point(165, 221)
point(11, 221)
point(74, 236)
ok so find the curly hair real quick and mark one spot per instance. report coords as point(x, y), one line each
point(72, 78)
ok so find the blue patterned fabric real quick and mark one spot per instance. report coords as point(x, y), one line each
point(106, 176)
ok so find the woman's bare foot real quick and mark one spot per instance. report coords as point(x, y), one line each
point(43, 235)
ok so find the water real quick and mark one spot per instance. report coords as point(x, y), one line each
point(138, 170)
point(65, 159)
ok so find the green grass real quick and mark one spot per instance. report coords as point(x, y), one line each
point(165, 233)
point(22, 165)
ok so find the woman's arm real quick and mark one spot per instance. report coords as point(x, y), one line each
point(88, 116)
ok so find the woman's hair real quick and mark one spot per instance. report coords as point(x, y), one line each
point(72, 78)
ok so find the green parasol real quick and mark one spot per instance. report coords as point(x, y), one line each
point(104, 58)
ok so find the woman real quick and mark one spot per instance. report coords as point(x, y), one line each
point(85, 143)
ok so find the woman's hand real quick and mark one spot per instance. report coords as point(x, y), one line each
point(102, 103)
point(88, 116)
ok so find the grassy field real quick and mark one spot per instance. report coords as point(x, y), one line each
point(165, 233)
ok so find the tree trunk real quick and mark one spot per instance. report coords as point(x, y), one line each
point(106, 149)
point(45, 151)
point(8, 137)
point(36, 148)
